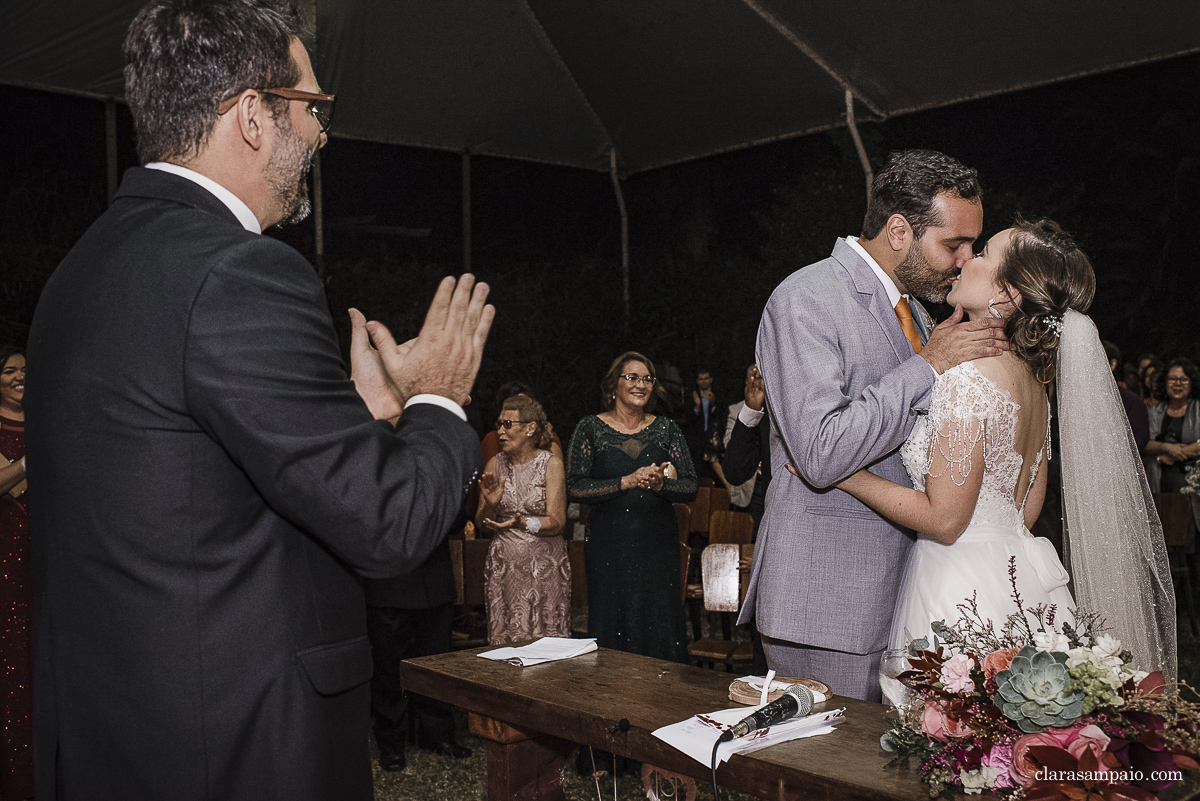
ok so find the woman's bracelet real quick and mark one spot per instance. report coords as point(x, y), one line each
point(533, 524)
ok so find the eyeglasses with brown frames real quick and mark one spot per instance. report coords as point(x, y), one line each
point(320, 106)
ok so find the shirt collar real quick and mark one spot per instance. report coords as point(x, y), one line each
point(232, 201)
point(889, 285)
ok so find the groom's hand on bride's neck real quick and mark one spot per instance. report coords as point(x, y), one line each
point(957, 340)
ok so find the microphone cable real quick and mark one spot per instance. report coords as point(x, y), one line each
point(716, 745)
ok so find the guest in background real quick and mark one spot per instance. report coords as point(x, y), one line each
point(1174, 428)
point(746, 450)
point(490, 446)
point(524, 503)
point(1149, 371)
point(16, 652)
point(1135, 410)
point(410, 616)
point(621, 466)
point(704, 417)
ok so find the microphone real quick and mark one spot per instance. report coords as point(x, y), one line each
point(796, 700)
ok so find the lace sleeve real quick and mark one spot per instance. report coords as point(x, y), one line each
point(581, 487)
point(958, 415)
point(682, 488)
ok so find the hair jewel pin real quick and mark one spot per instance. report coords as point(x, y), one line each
point(1055, 324)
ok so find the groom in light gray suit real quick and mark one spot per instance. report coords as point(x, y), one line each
point(845, 384)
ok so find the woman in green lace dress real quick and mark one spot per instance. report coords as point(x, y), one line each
point(629, 466)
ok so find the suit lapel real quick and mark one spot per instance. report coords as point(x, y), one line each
point(873, 297)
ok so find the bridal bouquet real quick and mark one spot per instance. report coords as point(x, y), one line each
point(1039, 712)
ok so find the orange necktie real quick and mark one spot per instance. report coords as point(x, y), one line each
point(904, 315)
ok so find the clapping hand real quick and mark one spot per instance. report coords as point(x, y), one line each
point(444, 357)
point(756, 393)
point(502, 525)
point(492, 489)
point(371, 380)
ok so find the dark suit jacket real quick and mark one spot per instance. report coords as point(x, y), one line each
point(207, 483)
point(746, 449)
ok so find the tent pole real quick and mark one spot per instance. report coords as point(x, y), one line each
point(616, 181)
point(318, 215)
point(110, 146)
point(466, 210)
point(858, 145)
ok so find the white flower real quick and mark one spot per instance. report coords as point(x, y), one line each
point(1106, 646)
point(977, 781)
point(1081, 656)
point(1051, 641)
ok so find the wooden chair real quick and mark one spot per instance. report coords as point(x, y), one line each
point(467, 560)
point(1175, 512)
point(699, 508)
point(685, 561)
point(730, 527)
point(706, 482)
point(724, 591)
point(718, 500)
point(579, 597)
point(683, 519)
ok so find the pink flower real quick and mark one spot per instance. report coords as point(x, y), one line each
point(937, 724)
point(1024, 765)
point(956, 674)
point(997, 661)
point(1090, 738)
point(1000, 758)
point(933, 721)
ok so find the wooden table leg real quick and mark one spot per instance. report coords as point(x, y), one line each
point(521, 763)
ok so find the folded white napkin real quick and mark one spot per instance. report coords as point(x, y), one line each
point(547, 649)
point(696, 735)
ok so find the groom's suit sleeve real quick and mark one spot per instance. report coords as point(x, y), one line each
point(264, 378)
point(812, 337)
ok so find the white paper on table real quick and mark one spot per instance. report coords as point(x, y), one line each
point(547, 649)
point(756, 683)
point(696, 735)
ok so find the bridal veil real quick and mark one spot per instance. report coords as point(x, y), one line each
point(1113, 538)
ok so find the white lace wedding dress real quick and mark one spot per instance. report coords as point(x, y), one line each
point(938, 578)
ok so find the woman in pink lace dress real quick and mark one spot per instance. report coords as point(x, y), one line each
point(524, 503)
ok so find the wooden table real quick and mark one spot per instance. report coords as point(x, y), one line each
point(532, 717)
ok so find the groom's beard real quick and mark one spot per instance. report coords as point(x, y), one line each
point(920, 278)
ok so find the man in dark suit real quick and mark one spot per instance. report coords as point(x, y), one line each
point(208, 480)
point(411, 616)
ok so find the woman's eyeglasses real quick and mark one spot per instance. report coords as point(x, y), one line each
point(505, 425)
point(634, 378)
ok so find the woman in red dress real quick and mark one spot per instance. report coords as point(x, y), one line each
point(16, 591)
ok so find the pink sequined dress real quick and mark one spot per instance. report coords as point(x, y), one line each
point(16, 601)
point(528, 578)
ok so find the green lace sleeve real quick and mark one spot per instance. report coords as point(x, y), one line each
point(581, 487)
point(682, 488)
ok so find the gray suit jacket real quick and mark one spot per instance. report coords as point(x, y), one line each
point(844, 388)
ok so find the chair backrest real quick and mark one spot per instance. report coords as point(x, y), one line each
point(706, 482)
point(718, 500)
point(727, 526)
point(699, 508)
point(685, 561)
point(1175, 512)
point(683, 519)
point(467, 558)
point(719, 572)
point(578, 574)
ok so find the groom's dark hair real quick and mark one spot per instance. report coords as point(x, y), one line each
point(908, 184)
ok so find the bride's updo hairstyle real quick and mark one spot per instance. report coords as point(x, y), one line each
point(1051, 274)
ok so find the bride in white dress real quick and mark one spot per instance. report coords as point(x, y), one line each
point(978, 465)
